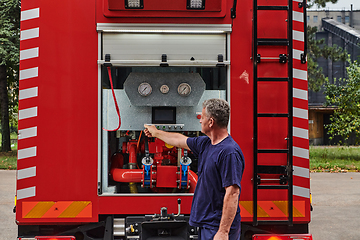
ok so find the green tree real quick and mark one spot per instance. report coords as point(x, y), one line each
point(9, 63)
point(317, 49)
point(345, 95)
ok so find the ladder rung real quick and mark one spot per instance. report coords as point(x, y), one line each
point(263, 169)
point(272, 7)
point(273, 186)
point(273, 79)
point(272, 41)
point(273, 150)
point(273, 115)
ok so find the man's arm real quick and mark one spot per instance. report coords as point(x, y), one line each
point(171, 138)
point(231, 202)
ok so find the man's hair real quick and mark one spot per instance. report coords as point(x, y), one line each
point(219, 110)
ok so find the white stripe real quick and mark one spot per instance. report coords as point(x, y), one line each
point(297, 54)
point(29, 53)
point(297, 35)
point(30, 14)
point(298, 16)
point(26, 153)
point(301, 94)
point(300, 133)
point(26, 173)
point(300, 74)
point(29, 34)
point(28, 93)
point(298, 1)
point(300, 113)
point(29, 73)
point(25, 193)
point(301, 192)
point(301, 152)
point(27, 133)
point(301, 172)
point(27, 113)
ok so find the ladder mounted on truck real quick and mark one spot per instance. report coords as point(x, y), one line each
point(281, 173)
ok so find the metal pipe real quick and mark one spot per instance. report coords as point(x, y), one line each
point(126, 175)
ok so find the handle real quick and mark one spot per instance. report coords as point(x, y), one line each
point(303, 55)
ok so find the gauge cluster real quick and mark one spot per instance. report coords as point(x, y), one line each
point(164, 89)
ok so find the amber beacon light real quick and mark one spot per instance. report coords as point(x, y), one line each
point(282, 237)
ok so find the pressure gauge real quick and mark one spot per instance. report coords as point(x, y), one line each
point(144, 89)
point(164, 88)
point(184, 89)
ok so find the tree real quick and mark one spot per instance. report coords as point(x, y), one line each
point(9, 61)
point(345, 95)
point(317, 49)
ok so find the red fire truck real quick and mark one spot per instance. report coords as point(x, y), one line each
point(93, 72)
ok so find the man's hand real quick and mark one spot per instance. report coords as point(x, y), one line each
point(221, 236)
point(150, 130)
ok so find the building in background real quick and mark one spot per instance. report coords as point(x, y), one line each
point(341, 28)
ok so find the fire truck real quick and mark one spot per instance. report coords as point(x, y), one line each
point(93, 72)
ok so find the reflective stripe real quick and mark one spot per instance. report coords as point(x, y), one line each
point(272, 209)
point(27, 113)
point(26, 173)
point(30, 14)
point(301, 152)
point(26, 153)
point(28, 93)
point(301, 172)
point(298, 16)
point(25, 193)
point(297, 54)
point(27, 133)
point(300, 133)
point(29, 53)
point(299, 36)
point(300, 74)
point(301, 192)
point(29, 34)
point(61, 209)
point(29, 73)
point(300, 113)
point(301, 94)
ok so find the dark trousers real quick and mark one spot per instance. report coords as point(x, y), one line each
point(208, 234)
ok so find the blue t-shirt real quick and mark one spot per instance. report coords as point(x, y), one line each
point(219, 166)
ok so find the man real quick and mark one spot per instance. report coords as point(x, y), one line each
point(215, 207)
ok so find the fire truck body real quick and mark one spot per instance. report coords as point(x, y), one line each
point(90, 67)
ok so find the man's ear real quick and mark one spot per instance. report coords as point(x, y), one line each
point(211, 122)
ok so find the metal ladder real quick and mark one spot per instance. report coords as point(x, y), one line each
point(284, 171)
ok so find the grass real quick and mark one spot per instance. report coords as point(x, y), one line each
point(8, 160)
point(334, 158)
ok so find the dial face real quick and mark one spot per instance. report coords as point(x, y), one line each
point(144, 89)
point(164, 88)
point(184, 89)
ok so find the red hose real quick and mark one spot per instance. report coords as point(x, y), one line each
point(126, 175)
point(193, 181)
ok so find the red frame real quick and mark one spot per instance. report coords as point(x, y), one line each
point(67, 144)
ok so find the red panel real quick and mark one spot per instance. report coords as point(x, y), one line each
point(272, 97)
point(166, 176)
point(165, 5)
point(272, 133)
point(278, 26)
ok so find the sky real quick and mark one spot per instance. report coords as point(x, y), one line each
point(340, 5)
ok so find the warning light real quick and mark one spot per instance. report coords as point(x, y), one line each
point(195, 4)
point(55, 238)
point(134, 4)
point(282, 237)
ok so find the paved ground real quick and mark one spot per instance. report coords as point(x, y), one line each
point(7, 195)
point(336, 202)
